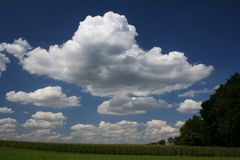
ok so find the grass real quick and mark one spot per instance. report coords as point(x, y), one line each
point(8, 153)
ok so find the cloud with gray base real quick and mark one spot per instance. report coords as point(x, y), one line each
point(8, 128)
point(179, 124)
point(6, 110)
point(193, 93)
point(41, 127)
point(46, 135)
point(45, 120)
point(158, 129)
point(189, 106)
point(124, 105)
point(104, 58)
point(123, 132)
point(44, 97)
point(18, 48)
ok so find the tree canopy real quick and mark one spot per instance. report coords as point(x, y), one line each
point(219, 120)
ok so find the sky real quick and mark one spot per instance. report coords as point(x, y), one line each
point(111, 71)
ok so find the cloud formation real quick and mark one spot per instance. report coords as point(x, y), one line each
point(179, 124)
point(158, 129)
point(193, 93)
point(189, 106)
point(45, 120)
point(44, 97)
point(41, 135)
point(123, 132)
point(18, 48)
point(6, 110)
point(124, 105)
point(8, 128)
point(104, 58)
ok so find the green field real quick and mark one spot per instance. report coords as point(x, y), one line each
point(8, 153)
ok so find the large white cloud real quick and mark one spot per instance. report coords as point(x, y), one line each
point(45, 97)
point(6, 110)
point(45, 120)
point(189, 106)
point(104, 58)
point(123, 132)
point(123, 105)
point(8, 128)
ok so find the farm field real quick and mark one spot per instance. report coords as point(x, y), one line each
point(9, 153)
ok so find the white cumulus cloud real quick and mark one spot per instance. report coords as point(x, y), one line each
point(104, 58)
point(8, 128)
point(6, 110)
point(124, 105)
point(179, 124)
point(45, 97)
point(45, 120)
point(123, 132)
point(18, 48)
point(82, 127)
point(41, 135)
point(158, 129)
point(189, 106)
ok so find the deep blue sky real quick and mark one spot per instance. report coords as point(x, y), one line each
point(207, 32)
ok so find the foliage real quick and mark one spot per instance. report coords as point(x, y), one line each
point(161, 142)
point(193, 132)
point(219, 121)
point(221, 113)
point(170, 141)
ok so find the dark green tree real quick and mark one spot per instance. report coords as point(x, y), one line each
point(161, 142)
point(221, 113)
point(193, 132)
point(219, 120)
point(170, 140)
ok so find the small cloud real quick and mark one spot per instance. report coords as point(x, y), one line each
point(45, 120)
point(216, 87)
point(124, 105)
point(193, 93)
point(6, 110)
point(189, 106)
point(8, 128)
point(44, 97)
point(179, 124)
point(3, 63)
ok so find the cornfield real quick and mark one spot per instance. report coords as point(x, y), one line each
point(126, 149)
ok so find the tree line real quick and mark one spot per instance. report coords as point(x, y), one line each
point(218, 122)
